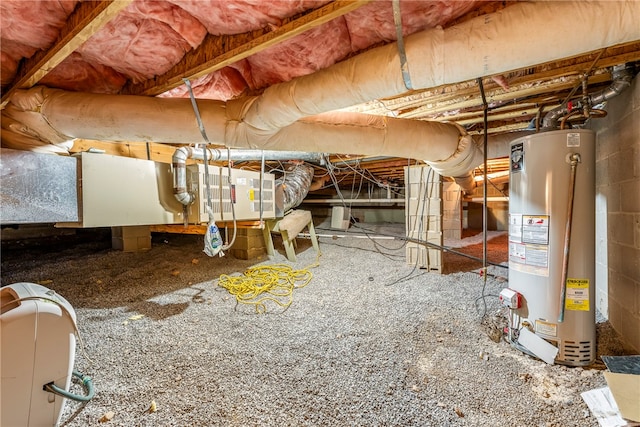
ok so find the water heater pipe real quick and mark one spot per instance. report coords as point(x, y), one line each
point(573, 159)
point(621, 75)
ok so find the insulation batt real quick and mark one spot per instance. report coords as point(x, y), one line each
point(8, 69)
point(33, 23)
point(149, 37)
point(240, 16)
point(373, 23)
point(142, 41)
point(74, 73)
point(25, 27)
point(327, 44)
point(304, 54)
point(226, 83)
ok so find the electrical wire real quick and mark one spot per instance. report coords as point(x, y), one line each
point(427, 196)
point(331, 173)
point(363, 174)
point(485, 110)
point(233, 205)
point(203, 132)
point(389, 256)
point(259, 285)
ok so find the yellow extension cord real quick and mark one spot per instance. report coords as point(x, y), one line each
point(264, 283)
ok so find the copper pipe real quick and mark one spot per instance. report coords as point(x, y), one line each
point(574, 160)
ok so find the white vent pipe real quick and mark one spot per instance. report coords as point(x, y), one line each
point(217, 155)
point(284, 117)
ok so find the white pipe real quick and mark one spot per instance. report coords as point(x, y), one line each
point(123, 118)
point(285, 116)
point(518, 36)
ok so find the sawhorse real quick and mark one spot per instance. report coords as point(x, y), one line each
point(289, 227)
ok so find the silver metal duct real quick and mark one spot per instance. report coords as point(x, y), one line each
point(621, 75)
point(293, 187)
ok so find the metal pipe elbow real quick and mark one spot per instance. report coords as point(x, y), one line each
point(179, 162)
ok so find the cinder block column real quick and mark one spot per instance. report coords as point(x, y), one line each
point(249, 244)
point(131, 239)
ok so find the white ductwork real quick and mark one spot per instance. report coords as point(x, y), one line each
point(289, 116)
point(487, 45)
point(54, 112)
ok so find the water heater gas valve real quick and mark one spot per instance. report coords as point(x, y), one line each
point(510, 298)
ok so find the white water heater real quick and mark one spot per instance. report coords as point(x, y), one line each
point(38, 348)
point(552, 241)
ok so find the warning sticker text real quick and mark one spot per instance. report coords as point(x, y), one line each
point(577, 296)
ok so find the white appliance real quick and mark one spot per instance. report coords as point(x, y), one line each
point(557, 294)
point(340, 218)
point(124, 191)
point(38, 347)
point(250, 202)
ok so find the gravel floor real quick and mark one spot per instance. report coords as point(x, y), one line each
point(370, 341)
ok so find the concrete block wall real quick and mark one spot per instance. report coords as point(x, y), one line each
point(618, 213)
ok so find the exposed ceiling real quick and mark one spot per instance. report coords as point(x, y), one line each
point(233, 48)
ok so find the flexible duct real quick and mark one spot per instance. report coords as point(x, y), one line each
point(285, 117)
point(487, 45)
point(293, 186)
point(621, 75)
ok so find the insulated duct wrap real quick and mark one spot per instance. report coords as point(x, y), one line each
point(125, 118)
point(286, 117)
point(484, 46)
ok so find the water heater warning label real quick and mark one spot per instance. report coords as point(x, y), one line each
point(546, 328)
point(535, 229)
point(529, 243)
point(573, 139)
point(577, 297)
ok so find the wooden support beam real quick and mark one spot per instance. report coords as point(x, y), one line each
point(500, 95)
point(201, 229)
point(140, 150)
point(87, 19)
point(217, 52)
point(455, 93)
